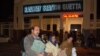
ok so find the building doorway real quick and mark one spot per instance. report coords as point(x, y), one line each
point(75, 27)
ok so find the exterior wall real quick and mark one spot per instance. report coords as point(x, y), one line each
point(18, 15)
point(88, 8)
point(43, 22)
point(35, 22)
point(51, 21)
point(69, 21)
point(88, 24)
point(86, 11)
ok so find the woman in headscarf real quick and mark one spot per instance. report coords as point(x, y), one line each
point(52, 48)
point(67, 47)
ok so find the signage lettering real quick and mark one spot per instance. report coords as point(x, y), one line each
point(73, 6)
point(54, 7)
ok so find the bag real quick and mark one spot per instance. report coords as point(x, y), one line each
point(38, 46)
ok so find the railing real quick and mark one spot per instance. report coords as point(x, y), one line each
point(5, 29)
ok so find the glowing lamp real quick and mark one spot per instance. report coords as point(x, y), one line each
point(71, 16)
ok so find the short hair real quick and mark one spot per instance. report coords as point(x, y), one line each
point(32, 28)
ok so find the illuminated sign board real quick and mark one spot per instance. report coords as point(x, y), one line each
point(30, 9)
point(73, 6)
point(51, 7)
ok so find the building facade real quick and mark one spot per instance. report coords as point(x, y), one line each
point(75, 14)
point(56, 15)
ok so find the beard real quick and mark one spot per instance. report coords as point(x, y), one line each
point(37, 34)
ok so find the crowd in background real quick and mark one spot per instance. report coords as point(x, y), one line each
point(49, 44)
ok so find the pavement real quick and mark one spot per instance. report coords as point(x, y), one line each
point(7, 49)
point(88, 51)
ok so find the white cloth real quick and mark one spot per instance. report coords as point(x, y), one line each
point(74, 51)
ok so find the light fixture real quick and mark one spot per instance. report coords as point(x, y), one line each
point(70, 15)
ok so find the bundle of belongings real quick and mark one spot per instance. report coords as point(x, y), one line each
point(38, 46)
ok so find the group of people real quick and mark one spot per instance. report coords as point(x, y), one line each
point(34, 46)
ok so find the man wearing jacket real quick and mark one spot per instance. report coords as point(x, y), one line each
point(28, 41)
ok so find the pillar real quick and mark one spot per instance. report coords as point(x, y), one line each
point(61, 28)
point(86, 19)
point(15, 16)
point(18, 21)
point(40, 22)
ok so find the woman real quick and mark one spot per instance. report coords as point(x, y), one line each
point(52, 46)
point(67, 47)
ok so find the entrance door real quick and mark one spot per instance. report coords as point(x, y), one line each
point(75, 27)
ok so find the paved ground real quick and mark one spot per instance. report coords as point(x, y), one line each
point(9, 49)
point(88, 51)
point(14, 50)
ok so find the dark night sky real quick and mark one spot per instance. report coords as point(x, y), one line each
point(6, 9)
point(98, 9)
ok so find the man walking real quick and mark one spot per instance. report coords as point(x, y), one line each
point(28, 42)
